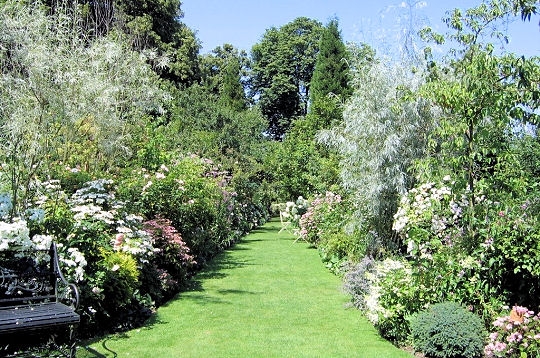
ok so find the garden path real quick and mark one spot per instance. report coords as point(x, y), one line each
point(266, 297)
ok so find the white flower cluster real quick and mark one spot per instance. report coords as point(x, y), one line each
point(415, 210)
point(374, 308)
point(94, 192)
point(95, 212)
point(293, 210)
point(430, 207)
point(136, 242)
point(73, 262)
point(15, 234)
point(42, 242)
point(132, 239)
point(45, 190)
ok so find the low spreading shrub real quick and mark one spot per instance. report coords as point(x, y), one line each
point(171, 263)
point(447, 330)
point(356, 282)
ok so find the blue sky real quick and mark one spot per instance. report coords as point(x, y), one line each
point(242, 23)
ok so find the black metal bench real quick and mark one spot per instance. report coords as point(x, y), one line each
point(37, 304)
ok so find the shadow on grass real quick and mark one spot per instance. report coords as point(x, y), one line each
point(236, 292)
point(87, 351)
point(216, 269)
point(264, 230)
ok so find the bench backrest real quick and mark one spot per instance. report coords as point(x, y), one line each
point(29, 276)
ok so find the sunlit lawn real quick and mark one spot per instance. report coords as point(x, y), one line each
point(267, 297)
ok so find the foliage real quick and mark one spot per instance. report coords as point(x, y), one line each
point(231, 92)
point(152, 26)
point(447, 330)
point(319, 216)
point(356, 281)
point(325, 225)
point(195, 195)
point(483, 96)
point(119, 281)
point(79, 107)
point(232, 137)
point(391, 298)
point(510, 237)
point(283, 64)
point(329, 86)
point(300, 166)
point(516, 334)
point(384, 129)
point(225, 71)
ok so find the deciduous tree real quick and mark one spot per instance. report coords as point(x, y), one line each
point(283, 64)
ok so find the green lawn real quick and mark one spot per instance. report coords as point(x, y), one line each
point(266, 297)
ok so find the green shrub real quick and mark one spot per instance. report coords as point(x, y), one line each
point(389, 296)
point(448, 330)
point(336, 248)
point(185, 192)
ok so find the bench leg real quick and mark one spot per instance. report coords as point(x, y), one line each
point(72, 341)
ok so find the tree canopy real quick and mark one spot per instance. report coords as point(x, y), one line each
point(283, 64)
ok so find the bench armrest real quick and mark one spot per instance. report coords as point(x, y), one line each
point(67, 292)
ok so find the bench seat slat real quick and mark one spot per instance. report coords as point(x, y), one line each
point(36, 316)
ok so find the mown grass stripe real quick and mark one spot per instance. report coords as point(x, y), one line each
point(266, 297)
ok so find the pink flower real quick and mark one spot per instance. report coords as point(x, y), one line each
point(499, 322)
point(118, 241)
point(499, 347)
point(522, 310)
point(501, 213)
point(514, 337)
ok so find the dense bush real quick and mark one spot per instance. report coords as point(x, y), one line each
point(326, 225)
point(320, 218)
point(171, 264)
point(356, 281)
point(386, 291)
point(483, 263)
point(193, 194)
point(447, 330)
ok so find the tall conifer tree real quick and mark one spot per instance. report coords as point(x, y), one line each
point(231, 91)
point(330, 81)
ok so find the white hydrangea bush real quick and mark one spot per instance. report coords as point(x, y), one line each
point(431, 214)
point(376, 303)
